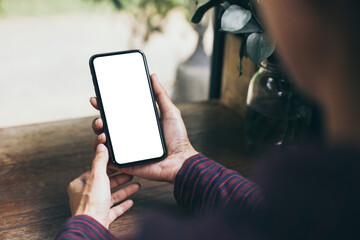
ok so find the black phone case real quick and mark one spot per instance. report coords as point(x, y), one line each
point(103, 115)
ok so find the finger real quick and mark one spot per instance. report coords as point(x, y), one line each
point(78, 182)
point(97, 125)
point(163, 99)
point(120, 179)
point(94, 103)
point(83, 177)
point(101, 159)
point(110, 171)
point(124, 193)
point(148, 171)
point(99, 139)
point(119, 210)
point(134, 171)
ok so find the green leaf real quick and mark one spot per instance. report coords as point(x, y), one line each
point(235, 18)
point(225, 5)
point(250, 27)
point(259, 47)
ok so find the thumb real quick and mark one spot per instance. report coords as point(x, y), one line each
point(101, 159)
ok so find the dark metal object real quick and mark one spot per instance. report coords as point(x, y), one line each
point(217, 58)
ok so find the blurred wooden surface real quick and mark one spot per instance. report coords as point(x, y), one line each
point(234, 86)
point(38, 161)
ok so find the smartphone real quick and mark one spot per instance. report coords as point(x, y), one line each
point(127, 107)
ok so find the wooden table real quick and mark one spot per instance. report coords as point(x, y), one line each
point(38, 161)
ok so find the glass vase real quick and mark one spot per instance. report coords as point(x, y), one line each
point(276, 114)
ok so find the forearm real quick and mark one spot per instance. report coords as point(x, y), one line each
point(202, 185)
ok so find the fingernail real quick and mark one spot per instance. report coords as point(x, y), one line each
point(100, 148)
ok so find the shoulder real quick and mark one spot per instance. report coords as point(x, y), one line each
point(314, 162)
point(314, 189)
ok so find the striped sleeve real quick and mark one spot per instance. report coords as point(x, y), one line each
point(203, 185)
point(83, 227)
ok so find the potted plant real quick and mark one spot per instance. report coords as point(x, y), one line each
point(240, 18)
point(276, 114)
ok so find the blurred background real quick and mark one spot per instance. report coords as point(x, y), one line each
point(45, 46)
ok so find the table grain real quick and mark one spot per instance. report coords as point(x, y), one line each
point(38, 161)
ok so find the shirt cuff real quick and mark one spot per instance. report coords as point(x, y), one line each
point(84, 227)
point(183, 179)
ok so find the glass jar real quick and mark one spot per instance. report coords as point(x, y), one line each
point(275, 113)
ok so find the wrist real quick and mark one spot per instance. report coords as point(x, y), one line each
point(182, 157)
point(91, 213)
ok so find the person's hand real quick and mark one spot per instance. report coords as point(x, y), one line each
point(90, 193)
point(176, 138)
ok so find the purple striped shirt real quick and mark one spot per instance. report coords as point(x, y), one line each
point(201, 185)
point(84, 227)
point(311, 193)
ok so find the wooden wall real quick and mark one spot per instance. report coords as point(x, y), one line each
point(234, 87)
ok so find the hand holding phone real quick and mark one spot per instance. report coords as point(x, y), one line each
point(127, 107)
point(178, 146)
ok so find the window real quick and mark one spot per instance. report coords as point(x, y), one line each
point(45, 46)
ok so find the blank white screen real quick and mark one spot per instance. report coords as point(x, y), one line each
point(128, 107)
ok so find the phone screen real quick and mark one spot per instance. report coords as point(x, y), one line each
point(128, 107)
